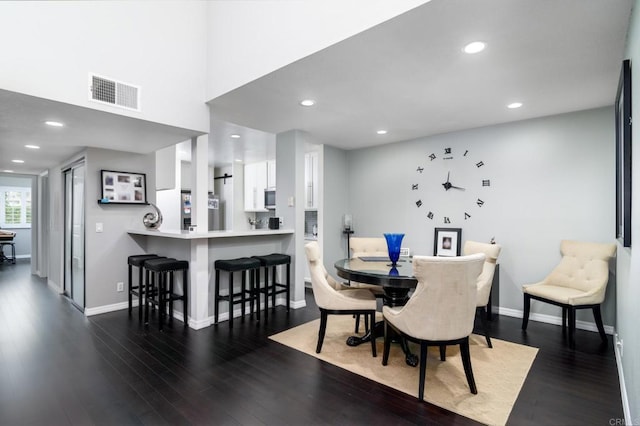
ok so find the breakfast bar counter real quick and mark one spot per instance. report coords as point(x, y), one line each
point(202, 249)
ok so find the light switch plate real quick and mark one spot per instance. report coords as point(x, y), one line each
point(99, 227)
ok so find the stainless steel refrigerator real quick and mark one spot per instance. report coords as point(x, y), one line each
point(214, 209)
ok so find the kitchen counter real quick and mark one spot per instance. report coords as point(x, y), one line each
point(186, 235)
point(201, 250)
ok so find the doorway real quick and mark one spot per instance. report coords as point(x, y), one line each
point(74, 277)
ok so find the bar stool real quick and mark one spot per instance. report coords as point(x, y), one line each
point(273, 288)
point(162, 271)
point(242, 265)
point(137, 290)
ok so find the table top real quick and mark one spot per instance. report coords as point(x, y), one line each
point(378, 272)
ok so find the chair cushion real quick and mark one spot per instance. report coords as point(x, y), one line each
point(166, 264)
point(138, 259)
point(556, 293)
point(240, 264)
point(273, 259)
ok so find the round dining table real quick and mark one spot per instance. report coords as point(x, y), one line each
point(396, 281)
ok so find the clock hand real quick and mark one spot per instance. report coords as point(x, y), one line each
point(457, 187)
point(447, 185)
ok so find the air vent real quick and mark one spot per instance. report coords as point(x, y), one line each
point(113, 92)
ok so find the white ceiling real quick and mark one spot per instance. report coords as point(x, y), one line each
point(407, 75)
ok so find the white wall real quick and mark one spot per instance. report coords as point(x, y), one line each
point(160, 46)
point(628, 290)
point(244, 46)
point(551, 179)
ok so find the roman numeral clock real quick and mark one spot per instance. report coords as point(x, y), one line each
point(450, 186)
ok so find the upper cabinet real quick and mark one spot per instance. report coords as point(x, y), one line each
point(271, 174)
point(255, 182)
point(311, 180)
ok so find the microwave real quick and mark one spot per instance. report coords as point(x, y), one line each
point(270, 198)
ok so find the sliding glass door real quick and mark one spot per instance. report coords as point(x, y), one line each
point(74, 276)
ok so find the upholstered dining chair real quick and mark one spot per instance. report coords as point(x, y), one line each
point(332, 298)
point(441, 310)
point(578, 282)
point(485, 279)
point(371, 247)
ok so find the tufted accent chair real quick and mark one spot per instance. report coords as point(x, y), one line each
point(485, 279)
point(578, 282)
point(335, 299)
point(440, 312)
point(368, 246)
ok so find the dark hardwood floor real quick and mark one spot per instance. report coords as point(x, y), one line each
point(59, 368)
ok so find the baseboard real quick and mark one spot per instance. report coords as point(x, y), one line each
point(623, 388)
point(23, 256)
point(108, 308)
point(550, 319)
point(55, 286)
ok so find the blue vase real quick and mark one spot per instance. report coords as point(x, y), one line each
point(394, 242)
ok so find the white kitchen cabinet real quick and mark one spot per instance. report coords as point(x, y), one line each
point(255, 182)
point(311, 180)
point(271, 174)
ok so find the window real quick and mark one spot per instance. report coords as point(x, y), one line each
point(15, 207)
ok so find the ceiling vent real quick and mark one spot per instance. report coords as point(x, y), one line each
point(116, 93)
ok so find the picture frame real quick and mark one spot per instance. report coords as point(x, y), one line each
point(623, 155)
point(123, 187)
point(447, 241)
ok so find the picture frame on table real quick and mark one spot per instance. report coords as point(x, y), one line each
point(123, 187)
point(447, 241)
point(623, 155)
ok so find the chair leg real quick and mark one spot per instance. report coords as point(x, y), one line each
point(130, 287)
point(367, 323)
point(598, 317)
point(216, 297)
point(564, 319)
point(527, 307)
point(482, 312)
point(387, 344)
point(466, 362)
point(357, 316)
point(443, 352)
point(572, 327)
point(323, 329)
point(423, 369)
point(373, 339)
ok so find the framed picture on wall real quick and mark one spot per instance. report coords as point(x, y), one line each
point(123, 187)
point(623, 155)
point(447, 241)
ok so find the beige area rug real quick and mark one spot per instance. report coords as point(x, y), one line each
point(499, 372)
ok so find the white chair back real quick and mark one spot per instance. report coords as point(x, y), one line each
point(443, 305)
point(368, 246)
point(491, 252)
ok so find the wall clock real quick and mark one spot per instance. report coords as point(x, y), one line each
point(451, 185)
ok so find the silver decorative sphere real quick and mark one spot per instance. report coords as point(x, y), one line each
point(152, 220)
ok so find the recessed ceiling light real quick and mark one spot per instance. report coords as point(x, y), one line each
point(8, 171)
point(474, 47)
point(32, 146)
point(514, 105)
point(54, 123)
point(307, 102)
point(235, 136)
point(17, 161)
point(238, 160)
point(381, 132)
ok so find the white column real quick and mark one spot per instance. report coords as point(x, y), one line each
point(199, 263)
